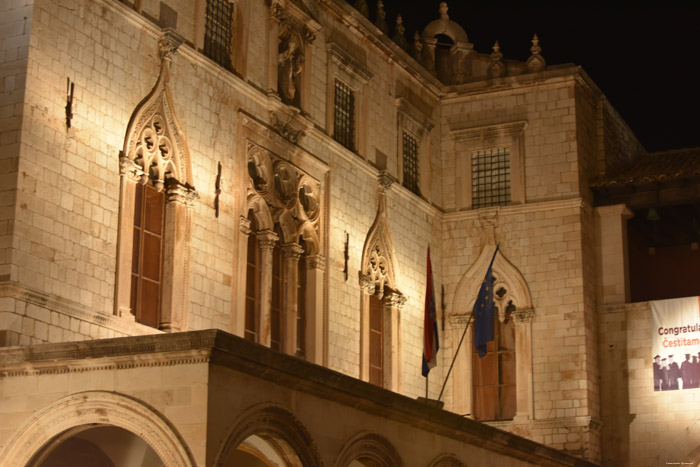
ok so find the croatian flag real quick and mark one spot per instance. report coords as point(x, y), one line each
point(430, 328)
point(483, 312)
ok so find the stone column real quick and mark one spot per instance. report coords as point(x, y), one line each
point(612, 267)
point(292, 253)
point(523, 365)
point(178, 201)
point(266, 239)
point(315, 270)
point(393, 302)
point(462, 370)
point(130, 174)
point(239, 296)
point(368, 288)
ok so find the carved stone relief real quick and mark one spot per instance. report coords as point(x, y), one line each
point(287, 195)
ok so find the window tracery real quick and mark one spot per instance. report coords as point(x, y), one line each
point(283, 198)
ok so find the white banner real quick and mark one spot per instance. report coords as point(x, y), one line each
point(675, 343)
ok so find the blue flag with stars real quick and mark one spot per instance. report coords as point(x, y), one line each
point(483, 312)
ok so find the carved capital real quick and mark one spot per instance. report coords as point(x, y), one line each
point(267, 239)
point(459, 320)
point(316, 262)
point(524, 316)
point(179, 193)
point(395, 300)
point(244, 225)
point(367, 284)
point(292, 250)
point(130, 169)
point(168, 43)
point(385, 180)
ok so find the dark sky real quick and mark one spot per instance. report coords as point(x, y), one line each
point(644, 60)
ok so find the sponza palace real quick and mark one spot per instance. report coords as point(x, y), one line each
point(214, 221)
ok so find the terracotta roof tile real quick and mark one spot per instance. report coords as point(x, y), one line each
point(655, 167)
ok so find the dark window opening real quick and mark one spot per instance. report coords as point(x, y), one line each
point(344, 116)
point(410, 163)
point(491, 178)
point(218, 32)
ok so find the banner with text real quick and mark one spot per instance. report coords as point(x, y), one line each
point(675, 343)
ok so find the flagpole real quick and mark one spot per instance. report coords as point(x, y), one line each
point(453, 358)
point(426, 386)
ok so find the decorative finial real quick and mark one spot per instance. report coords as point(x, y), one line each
point(536, 61)
point(362, 8)
point(443, 11)
point(399, 31)
point(417, 46)
point(380, 22)
point(496, 67)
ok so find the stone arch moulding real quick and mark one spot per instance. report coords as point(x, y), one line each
point(378, 255)
point(506, 274)
point(102, 408)
point(446, 460)
point(274, 423)
point(512, 281)
point(372, 447)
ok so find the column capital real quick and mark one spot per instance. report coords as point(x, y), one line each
point(395, 299)
point(244, 225)
point(316, 262)
point(267, 239)
point(292, 250)
point(367, 284)
point(176, 192)
point(524, 316)
point(130, 170)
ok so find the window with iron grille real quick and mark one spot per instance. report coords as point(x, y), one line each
point(410, 163)
point(218, 32)
point(344, 121)
point(491, 178)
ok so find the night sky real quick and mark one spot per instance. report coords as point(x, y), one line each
point(644, 60)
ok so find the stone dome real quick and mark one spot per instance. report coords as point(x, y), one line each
point(444, 25)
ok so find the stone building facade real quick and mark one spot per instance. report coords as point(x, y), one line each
point(278, 170)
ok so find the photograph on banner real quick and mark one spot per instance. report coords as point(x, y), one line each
point(675, 343)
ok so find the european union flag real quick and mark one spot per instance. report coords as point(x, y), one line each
point(483, 312)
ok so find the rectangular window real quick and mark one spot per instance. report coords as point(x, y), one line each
point(493, 376)
point(410, 163)
point(218, 32)
point(344, 121)
point(147, 262)
point(376, 341)
point(491, 178)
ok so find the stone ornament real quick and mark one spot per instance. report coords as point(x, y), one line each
point(496, 67)
point(280, 192)
point(536, 61)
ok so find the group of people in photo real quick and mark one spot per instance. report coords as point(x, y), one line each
point(668, 376)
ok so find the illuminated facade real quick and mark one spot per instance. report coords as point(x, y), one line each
point(277, 170)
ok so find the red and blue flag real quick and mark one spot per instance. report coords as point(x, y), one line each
point(430, 329)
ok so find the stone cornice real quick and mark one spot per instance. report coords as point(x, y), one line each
point(75, 310)
point(519, 209)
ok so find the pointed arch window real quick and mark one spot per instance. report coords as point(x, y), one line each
point(155, 210)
